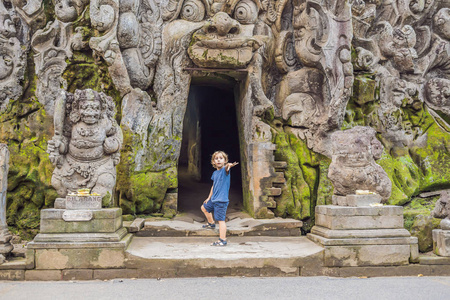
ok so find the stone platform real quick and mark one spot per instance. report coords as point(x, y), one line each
point(363, 236)
point(80, 238)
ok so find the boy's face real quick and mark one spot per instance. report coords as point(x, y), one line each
point(219, 161)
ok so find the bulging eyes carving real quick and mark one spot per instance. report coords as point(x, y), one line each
point(246, 12)
point(193, 11)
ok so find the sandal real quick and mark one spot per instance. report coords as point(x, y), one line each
point(220, 243)
point(209, 226)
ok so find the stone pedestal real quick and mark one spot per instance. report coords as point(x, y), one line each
point(84, 236)
point(363, 236)
point(441, 242)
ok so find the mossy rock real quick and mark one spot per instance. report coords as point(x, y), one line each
point(422, 228)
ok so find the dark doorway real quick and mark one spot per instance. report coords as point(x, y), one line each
point(209, 125)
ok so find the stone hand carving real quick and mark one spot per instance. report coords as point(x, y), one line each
point(86, 144)
point(5, 235)
point(442, 210)
point(12, 59)
point(53, 45)
point(353, 165)
point(139, 36)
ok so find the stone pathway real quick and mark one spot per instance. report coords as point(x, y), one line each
point(239, 224)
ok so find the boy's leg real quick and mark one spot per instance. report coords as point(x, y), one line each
point(208, 215)
point(222, 230)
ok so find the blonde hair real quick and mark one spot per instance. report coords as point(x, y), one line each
point(217, 153)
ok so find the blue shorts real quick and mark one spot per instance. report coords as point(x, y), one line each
point(219, 209)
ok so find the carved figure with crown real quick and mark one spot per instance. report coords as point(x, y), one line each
point(86, 144)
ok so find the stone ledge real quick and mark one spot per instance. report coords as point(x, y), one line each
point(434, 260)
point(78, 274)
point(43, 275)
point(81, 237)
point(104, 213)
point(345, 222)
point(360, 233)
point(362, 241)
point(334, 210)
point(123, 244)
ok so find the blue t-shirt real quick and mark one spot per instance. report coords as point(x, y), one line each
point(221, 186)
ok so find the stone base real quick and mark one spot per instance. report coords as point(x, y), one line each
point(67, 254)
point(80, 239)
point(107, 220)
point(441, 242)
point(363, 236)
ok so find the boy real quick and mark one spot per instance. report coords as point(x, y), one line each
point(217, 200)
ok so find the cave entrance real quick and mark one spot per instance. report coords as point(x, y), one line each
point(210, 124)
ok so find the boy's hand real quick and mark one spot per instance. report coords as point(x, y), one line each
point(230, 165)
point(206, 201)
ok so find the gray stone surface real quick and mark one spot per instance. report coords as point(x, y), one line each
point(359, 222)
point(102, 221)
point(235, 227)
point(441, 242)
point(356, 200)
point(83, 202)
point(241, 251)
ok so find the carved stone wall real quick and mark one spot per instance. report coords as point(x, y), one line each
point(303, 70)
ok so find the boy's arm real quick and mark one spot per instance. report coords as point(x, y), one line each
point(210, 194)
point(229, 166)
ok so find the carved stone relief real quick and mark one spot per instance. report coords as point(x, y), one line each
point(85, 147)
point(12, 59)
point(353, 165)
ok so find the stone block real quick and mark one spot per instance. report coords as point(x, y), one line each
point(137, 225)
point(434, 260)
point(356, 200)
point(78, 274)
point(359, 233)
point(45, 275)
point(93, 258)
point(116, 273)
point(333, 210)
point(359, 222)
point(441, 242)
point(366, 255)
point(83, 202)
point(12, 274)
point(104, 220)
point(273, 191)
point(60, 203)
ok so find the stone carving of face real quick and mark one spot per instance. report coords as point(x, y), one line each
point(226, 40)
point(90, 110)
point(65, 10)
point(442, 23)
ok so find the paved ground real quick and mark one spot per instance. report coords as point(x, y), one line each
point(397, 288)
point(238, 248)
